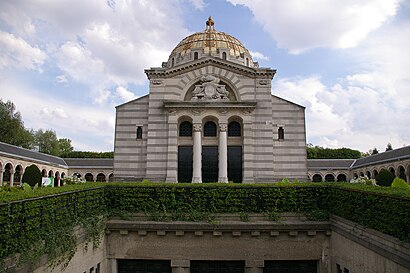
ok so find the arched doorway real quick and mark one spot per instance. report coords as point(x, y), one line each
point(341, 178)
point(7, 173)
point(100, 177)
point(89, 177)
point(57, 179)
point(402, 173)
point(330, 178)
point(375, 173)
point(317, 178)
point(18, 172)
point(111, 177)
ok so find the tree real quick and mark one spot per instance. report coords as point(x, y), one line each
point(81, 154)
point(374, 151)
point(32, 175)
point(317, 152)
point(384, 178)
point(389, 147)
point(47, 142)
point(64, 145)
point(12, 129)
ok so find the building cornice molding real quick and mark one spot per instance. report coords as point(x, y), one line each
point(209, 105)
point(159, 72)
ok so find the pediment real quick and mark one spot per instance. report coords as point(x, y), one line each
point(160, 72)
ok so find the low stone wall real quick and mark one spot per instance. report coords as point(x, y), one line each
point(359, 249)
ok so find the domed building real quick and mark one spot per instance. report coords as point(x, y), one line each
point(210, 117)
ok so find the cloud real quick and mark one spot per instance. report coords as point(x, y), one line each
point(16, 52)
point(258, 56)
point(61, 79)
point(48, 113)
point(124, 94)
point(198, 4)
point(299, 26)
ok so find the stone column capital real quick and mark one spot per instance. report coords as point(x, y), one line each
point(197, 127)
point(223, 127)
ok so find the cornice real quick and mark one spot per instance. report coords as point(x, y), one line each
point(159, 72)
point(217, 105)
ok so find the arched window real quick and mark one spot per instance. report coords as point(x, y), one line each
point(281, 133)
point(234, 129)
point(402, 173)
point(185, 129)
point(196, 56)
point(100, 177)
point(393, 172)
point(368, 174)
point(375, 173)
point(210, 129)
point(139, 132)
point(224, 55)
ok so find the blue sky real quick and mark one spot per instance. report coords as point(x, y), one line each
point(67, 64)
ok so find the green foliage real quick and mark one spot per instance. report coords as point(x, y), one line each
point(45, 225)
point(12, 129)
point(32, 175)
point(64, 146)
point(47, 142)
point(384, 178)
point(317, 152)
point(81, 154)
point(400, 183)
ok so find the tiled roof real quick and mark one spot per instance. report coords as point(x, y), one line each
point(400, 153)
point(16, 151)
point(326, 164)
point(89, 162)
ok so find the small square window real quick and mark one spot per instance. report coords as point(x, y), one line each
point(281, 133)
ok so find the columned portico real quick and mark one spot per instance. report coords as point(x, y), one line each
point(223, 154)
point(197, 154)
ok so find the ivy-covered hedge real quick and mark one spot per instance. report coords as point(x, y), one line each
point(44, 225)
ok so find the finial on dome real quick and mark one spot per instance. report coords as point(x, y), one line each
point(210, 24)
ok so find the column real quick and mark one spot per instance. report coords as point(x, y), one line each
point(180, 266)
point(197, 155)
point(254, 266)
point(223, 154)
point(407, 177)
point(11, 178)
point(1, 177)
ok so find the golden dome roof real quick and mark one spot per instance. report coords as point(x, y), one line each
point(210, 43)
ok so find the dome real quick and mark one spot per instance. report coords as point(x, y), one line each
point(210, 43)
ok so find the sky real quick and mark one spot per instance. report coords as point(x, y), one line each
point(66, 64)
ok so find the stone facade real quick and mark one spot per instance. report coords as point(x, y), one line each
point(213, 88)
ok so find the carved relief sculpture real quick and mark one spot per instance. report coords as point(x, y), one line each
point(209, 89)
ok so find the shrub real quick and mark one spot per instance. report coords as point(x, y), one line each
point(32, 176)
point(399, 183)
point(384, 178)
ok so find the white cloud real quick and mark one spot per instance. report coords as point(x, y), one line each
point(61, 79)
point(302, 25)
point(258, 56)
point(48, 113)
point(124, 94)
point(198, 4)
point(16, 52)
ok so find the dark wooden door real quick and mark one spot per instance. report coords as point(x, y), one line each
point(185, 164)
point(209, 164)
point(217, 267)
point(235, 164)
point(143, 266)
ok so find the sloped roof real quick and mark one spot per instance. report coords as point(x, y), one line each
point(327, 164)
point(89, 162)
point(400, 153)
point(15, 151)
